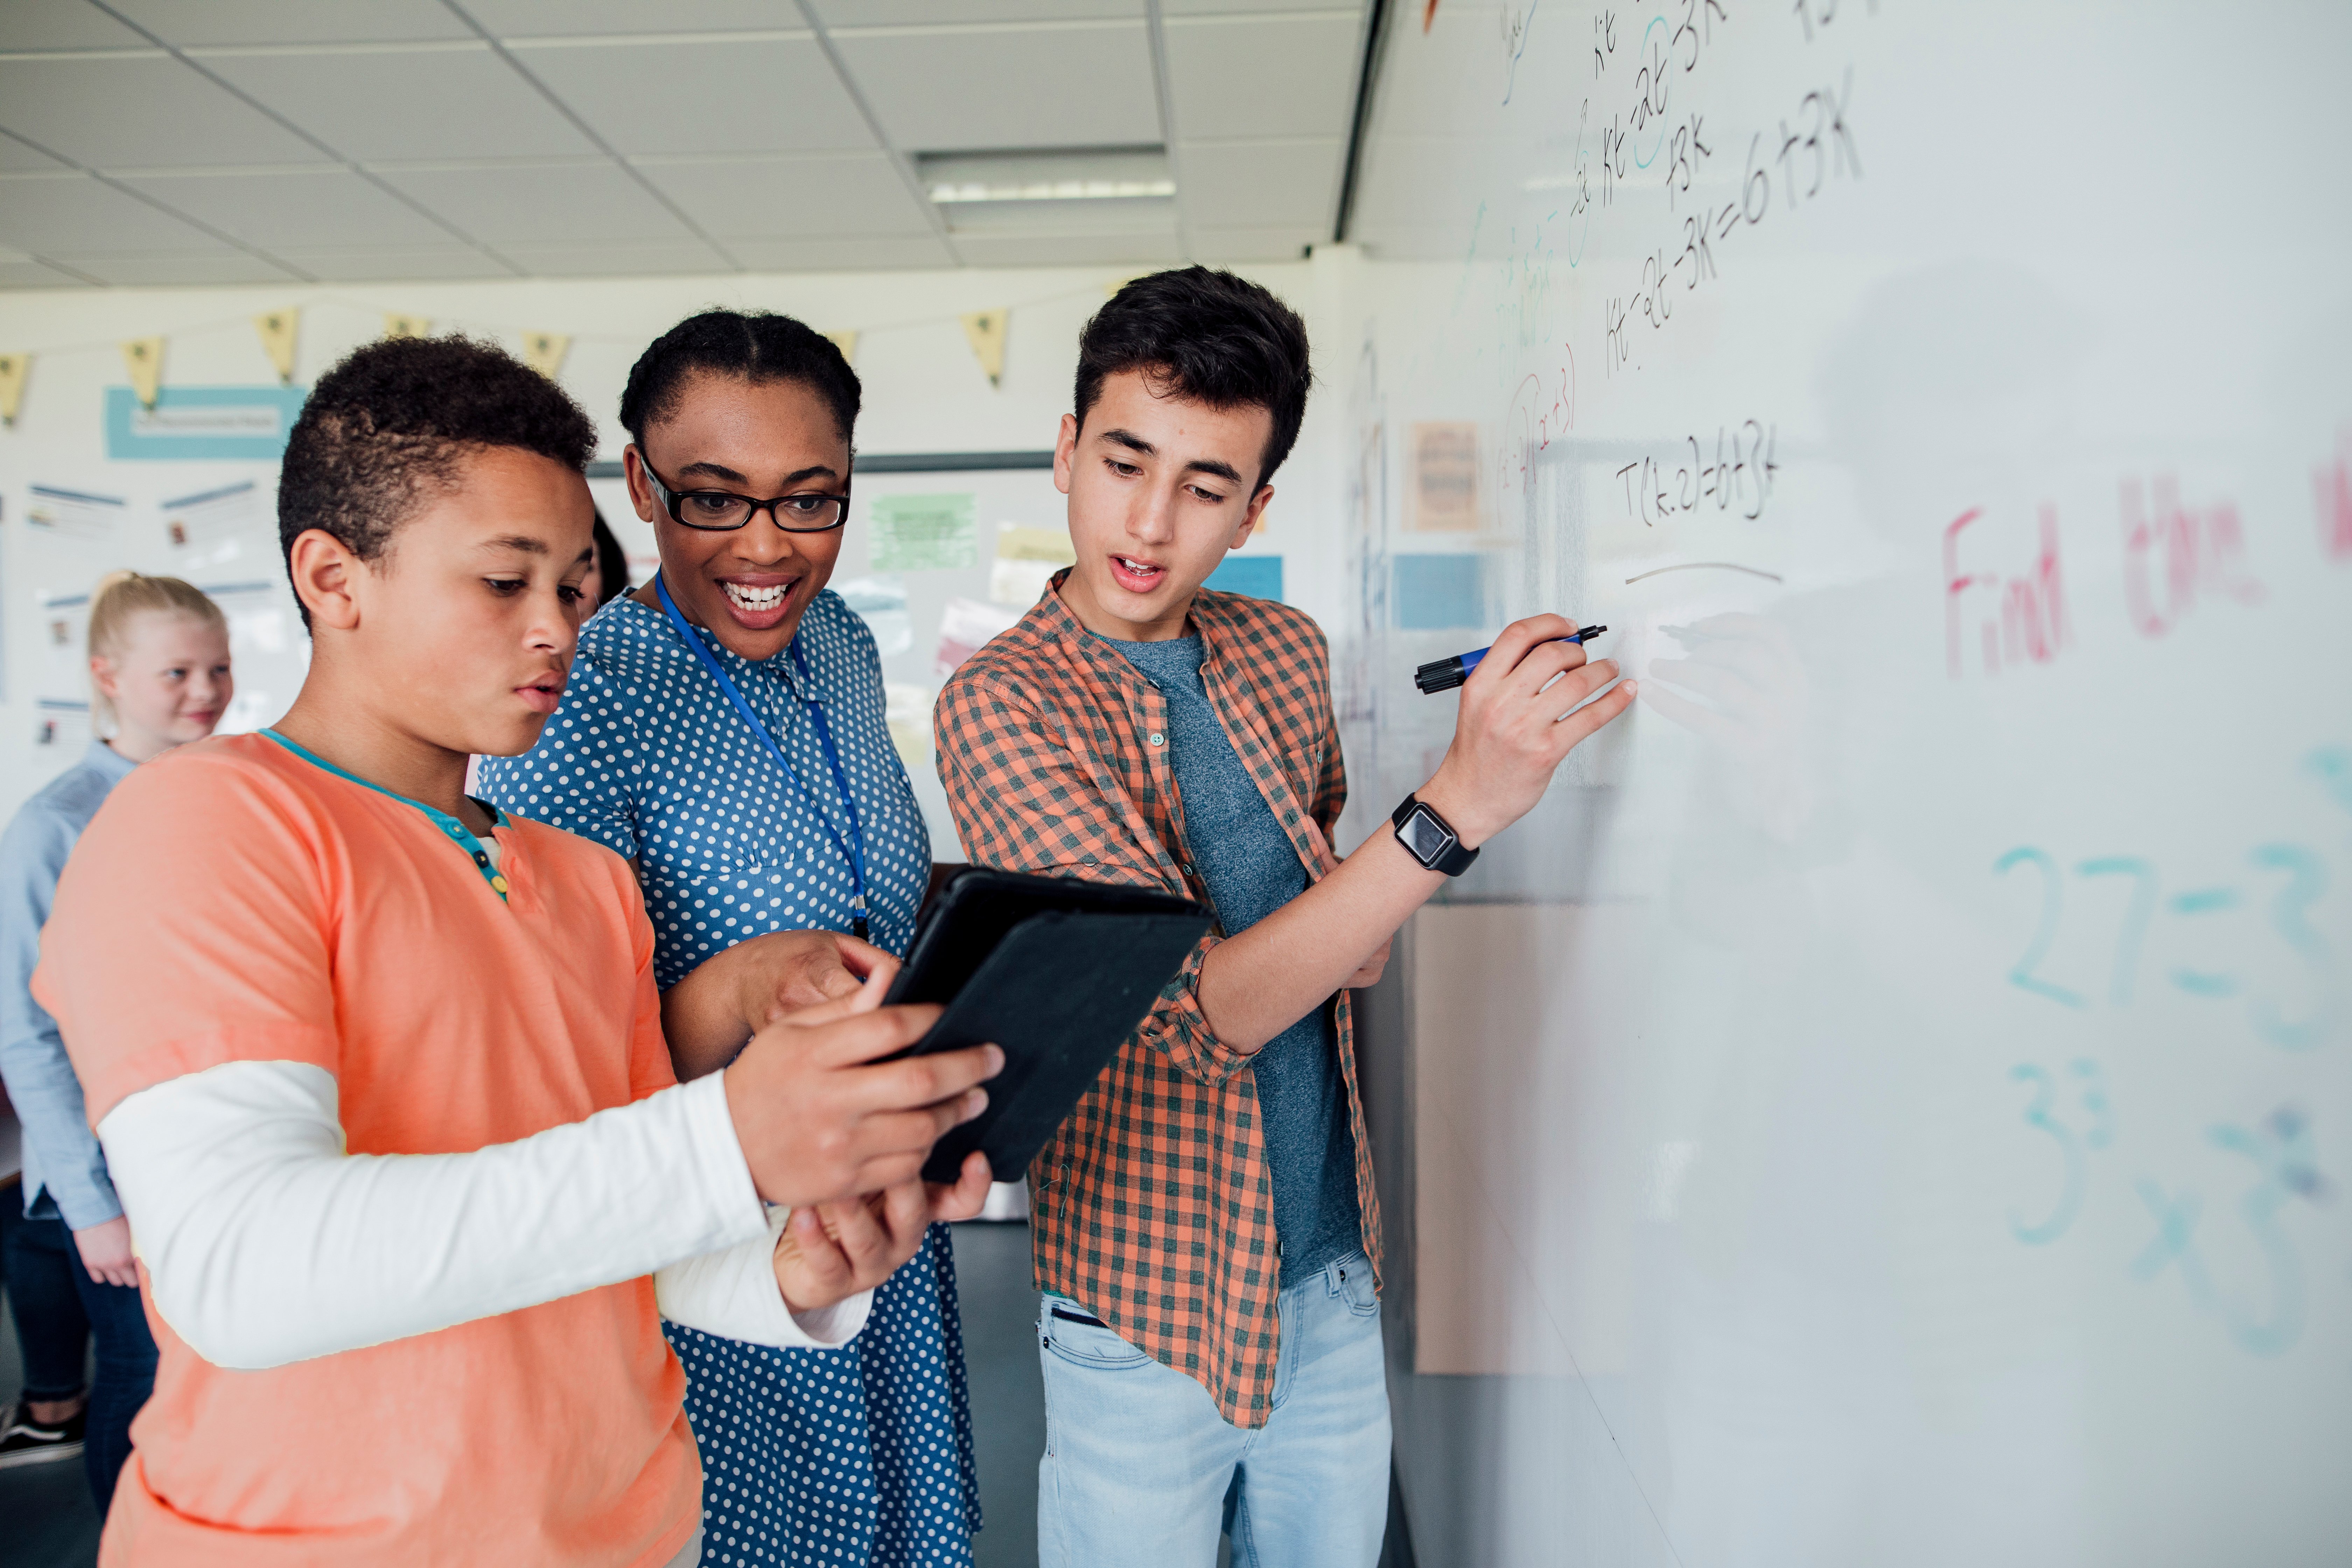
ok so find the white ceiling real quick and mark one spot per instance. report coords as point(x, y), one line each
point(156, 142)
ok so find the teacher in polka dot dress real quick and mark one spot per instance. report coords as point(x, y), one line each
point(723, 729)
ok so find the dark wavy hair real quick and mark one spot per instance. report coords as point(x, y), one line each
point(1208, 336)
point(401, 415)
point(757, 346)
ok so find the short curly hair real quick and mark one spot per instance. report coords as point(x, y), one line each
point(397, 415)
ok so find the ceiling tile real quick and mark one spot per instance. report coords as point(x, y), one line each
point(406, 103)
point(660, 96)
point(1277, 77)
point(24, 272)
point(157, 113)
point(617, 259)
point(924, 13)
point(1393, 216)
point(571, 18)
point(74, 214)
point(793, 198)
point(937, 90)
point(1250, 184)
point(391, 265)
point(1067, 249)
point(309, 207)
point(840, 255)
point(62, 25)
point(504, 204)
point(17, 157)
point(1218, 245)
point(152, 271)
point(196, 22)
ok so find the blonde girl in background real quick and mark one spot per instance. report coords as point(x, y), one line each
point(159, 673)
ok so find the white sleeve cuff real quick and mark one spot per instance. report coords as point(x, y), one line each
point(733, 1293)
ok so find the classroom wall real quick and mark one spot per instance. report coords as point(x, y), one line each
point(925, 391)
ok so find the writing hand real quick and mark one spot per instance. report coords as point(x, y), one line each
point(1511, 732)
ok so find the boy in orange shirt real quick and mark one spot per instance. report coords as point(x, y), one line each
point(380, 1073)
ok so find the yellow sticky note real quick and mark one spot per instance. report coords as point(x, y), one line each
point(1026, 560)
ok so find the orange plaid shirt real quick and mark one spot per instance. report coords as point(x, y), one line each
point(1152, 1205)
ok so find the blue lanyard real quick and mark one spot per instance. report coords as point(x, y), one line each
point(854, 850)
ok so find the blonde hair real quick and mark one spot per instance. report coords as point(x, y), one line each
point(120, 599)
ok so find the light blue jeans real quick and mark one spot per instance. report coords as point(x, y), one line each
point(1138, 1461)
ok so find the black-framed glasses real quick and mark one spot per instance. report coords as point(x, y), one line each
point(720, 511)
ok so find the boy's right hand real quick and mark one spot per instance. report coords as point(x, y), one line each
point(821, 1121)
point(1510, 736)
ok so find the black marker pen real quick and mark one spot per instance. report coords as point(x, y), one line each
point(1446, 674)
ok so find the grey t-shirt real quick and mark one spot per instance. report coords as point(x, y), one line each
point(1252, 870)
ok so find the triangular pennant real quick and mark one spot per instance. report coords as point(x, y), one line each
point(544, 351)
point(13, 368)
point(277, 329)
point(145, 356)
point(847, 342)
point(986, 331)
point(396, 325)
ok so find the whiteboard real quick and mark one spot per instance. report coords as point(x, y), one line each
point(1890, 1104)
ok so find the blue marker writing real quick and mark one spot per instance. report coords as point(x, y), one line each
point(1445, 674)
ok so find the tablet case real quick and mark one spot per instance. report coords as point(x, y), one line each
point(977, 906)
point(1060, 993)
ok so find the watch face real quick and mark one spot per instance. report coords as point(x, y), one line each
point(1423, 836)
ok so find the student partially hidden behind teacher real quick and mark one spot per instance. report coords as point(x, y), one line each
point(380, 1073)
point(159, 673)
point(1204, 1223)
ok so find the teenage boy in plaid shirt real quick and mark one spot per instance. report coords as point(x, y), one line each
point(1206, 1232)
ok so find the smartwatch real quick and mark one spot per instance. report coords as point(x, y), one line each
point(1431, 838)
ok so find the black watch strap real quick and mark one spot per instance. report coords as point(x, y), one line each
point(1430, 839)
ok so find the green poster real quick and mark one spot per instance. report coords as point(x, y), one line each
point(923, 533)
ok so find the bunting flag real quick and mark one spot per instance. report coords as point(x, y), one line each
point(396, 325)
point(986, 331)
point(544, 351)
point(145, 356)
point(12, 385)
point(277, 329)
point(847, 342)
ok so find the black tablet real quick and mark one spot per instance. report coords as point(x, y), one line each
point(1058, 972)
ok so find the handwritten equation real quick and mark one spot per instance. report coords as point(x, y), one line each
point(2072, 1113)
point(1818, 150)
point(2282, 886)
point(1737, 477)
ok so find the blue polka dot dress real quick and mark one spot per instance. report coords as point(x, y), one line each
point(863, 1454)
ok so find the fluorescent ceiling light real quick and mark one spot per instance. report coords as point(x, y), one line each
point(1052, 187)
point(950, 194)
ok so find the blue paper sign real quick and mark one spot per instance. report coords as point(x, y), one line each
point(217, 424)
point(1259, 576)
point(1438, 593)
